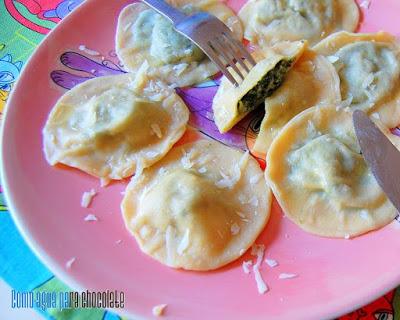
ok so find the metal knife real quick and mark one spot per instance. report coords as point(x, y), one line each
point(380, 154)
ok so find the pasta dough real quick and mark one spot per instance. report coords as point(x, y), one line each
point(231, 104)
point(199, 208)
point(369, 69)
point(312, 81)
point(110, 126)
point(144, 35)
point(269, 21)
point(321, 180)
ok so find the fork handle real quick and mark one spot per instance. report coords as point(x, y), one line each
point(174, 15)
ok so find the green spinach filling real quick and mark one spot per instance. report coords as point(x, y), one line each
point(265, 87)
point(166, 46)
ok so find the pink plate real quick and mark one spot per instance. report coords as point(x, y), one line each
point(334, 276)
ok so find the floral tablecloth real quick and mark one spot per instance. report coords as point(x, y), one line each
point(24, 23)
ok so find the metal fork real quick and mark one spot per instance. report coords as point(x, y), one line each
point(212, 36)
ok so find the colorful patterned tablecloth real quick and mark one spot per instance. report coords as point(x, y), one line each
point(24, 23)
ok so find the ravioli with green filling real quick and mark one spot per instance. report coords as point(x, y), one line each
point(112, 126)
point(231, 104)
point(144, 35)
point(369, 70)
point(199, 208)
point(312, 81)
point(321, 180)
point(267, 22)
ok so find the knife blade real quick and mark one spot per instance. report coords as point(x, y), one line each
point(380, 154)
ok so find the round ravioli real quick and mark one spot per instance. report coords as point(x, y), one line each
point(110, 126)
point(199, 208)
point(369, 70)
point(269, 21)
point(312, 81)
point(144, 35)
point(321, 180)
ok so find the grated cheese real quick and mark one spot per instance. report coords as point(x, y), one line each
point(151, 154)
point(345, 103)
point(127, 26)
point(258, 251)
point(241, 214)
point(225, 182)
point(144, 231)
point(158, 311)
point(332, 59)
point(90, 217)
point(235, 229)
point(376, 116)
point(180, 68)
point(88, 51)
point(365, 4)
point(186, 160)
point(138, 172)
point(310, 66)
point(246, 266)
point(368, 81)
point(284, 276)
point(311, 129)
point(230, 182)
point(184, 244)
point(271, 262)
point(104, 182)
point(87, 198)
point(140, 80)
point(261, 285)
point(70, 262)
point(253, 201)
point(156, 129)
point(202, 170)
point(169, 244)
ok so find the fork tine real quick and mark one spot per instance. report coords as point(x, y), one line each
point(242, 50)
point(211, 53)
point(218, 45)
point(233, 48)
point(246, 54)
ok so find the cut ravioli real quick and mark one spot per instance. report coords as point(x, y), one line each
point(321, 180)
point(270, 21)
point(231, 104)
point(369, 69)
point(111, 126)
point(199, 208)
point(144, 35)
point(312, 81)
